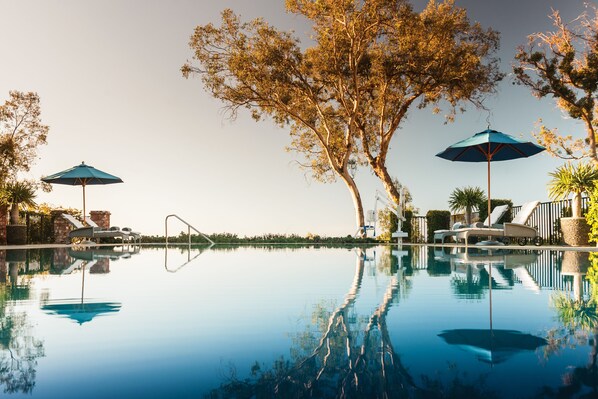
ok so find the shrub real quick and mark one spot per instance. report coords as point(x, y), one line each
point(437, 220)
point(592, 215)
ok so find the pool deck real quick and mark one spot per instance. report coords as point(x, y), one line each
point(514, 247)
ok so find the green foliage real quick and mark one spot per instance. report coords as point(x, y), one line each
point(466, 199)
point(592, 214)
point(494, 203)
point(388, 222)
point(228, 238)
point(573, 179)
point(18, 194)
point(576, 314)
point(437, 220)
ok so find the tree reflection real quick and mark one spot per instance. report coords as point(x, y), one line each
point(578, 318)
point(19, 349)
point(344, 355)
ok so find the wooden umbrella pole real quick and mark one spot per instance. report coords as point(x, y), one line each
point(489, 202)
point(84, 202)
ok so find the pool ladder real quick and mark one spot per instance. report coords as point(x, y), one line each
point(189, 227)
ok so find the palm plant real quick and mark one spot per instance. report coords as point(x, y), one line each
point(466, 199)
point(573, 179)
point(17, 194)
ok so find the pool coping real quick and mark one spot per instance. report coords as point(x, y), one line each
point(446, 245)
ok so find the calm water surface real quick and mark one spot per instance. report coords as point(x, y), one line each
point(296, 322)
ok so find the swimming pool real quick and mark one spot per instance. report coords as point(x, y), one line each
point(258, 321)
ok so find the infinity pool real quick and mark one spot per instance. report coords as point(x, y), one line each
point(245, 322)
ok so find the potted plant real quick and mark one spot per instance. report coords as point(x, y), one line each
point(576, 180)
point(18, 194)
point(466, 199)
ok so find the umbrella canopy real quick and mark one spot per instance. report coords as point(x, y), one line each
point(489, 146)
point(492, 346)
point(82, 175)
point(81, 312)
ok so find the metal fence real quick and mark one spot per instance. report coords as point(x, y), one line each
point(546, 218)
point(419, 229)
point(40, 228)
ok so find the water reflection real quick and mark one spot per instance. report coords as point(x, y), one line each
point(346, 354)
point(81, 310)
point(19, 348)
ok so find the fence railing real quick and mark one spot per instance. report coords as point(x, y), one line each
point(546, 218)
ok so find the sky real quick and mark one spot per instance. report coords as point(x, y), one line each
point(108, 76)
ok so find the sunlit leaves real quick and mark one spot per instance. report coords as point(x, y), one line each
point(563, 64)
point(346, 95)
point(21, 132)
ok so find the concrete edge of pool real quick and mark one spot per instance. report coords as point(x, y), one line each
point(520, 247)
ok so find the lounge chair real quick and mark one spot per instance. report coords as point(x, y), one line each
point(516, 229)
point(494, 217)
point(126, 231)
point(82, 231)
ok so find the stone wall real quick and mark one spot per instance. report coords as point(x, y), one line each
point(101, 218)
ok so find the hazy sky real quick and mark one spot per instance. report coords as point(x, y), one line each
point(108, 75)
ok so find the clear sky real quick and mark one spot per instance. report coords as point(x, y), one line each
point(108, 75)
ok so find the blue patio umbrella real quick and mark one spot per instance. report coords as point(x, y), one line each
point(82, 175)
point(489, 146)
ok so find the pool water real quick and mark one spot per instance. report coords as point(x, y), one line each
point(410, 322)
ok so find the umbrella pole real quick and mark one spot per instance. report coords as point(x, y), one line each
point(83, 282)
point(83, 185)
point(489, 202)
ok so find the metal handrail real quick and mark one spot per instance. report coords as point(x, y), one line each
point(189, 258)
point(189, 227)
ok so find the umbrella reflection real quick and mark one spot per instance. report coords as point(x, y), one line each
point(494, 345)
point(80, 310)
point(491, 345)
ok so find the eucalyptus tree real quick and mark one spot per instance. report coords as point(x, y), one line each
point(345, 96)
point(563, 64)
point(21, 132)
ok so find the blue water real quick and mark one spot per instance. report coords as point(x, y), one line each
point(294, 322)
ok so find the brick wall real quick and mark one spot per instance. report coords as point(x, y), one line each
point(62, 228)
point(101, 218)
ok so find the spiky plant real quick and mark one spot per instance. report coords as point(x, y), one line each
point(466, 199)
point(573, 179)
point(17, 194)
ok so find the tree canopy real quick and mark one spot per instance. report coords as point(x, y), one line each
point(21, 132)
point(345, 96)
point(563, 64)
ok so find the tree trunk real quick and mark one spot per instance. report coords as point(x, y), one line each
point(359, 218)
point(468, 215)
point(576, 205)
point(389, 187)
point(14, 214)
